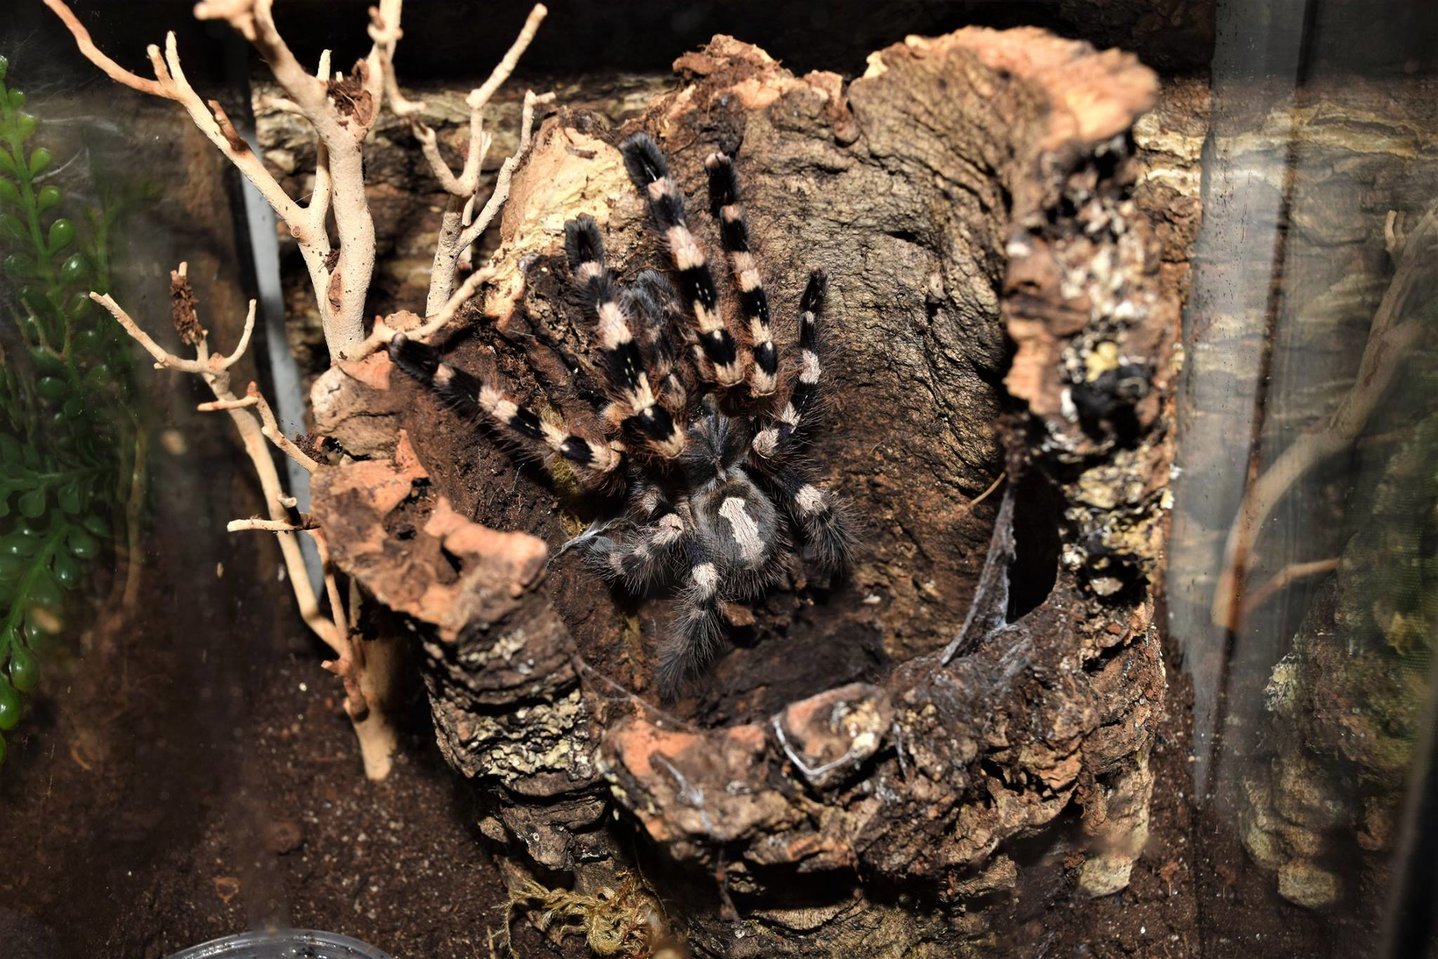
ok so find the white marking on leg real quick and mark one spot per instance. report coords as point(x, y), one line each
point(613, 325)
point(442, 375)
point(686, 250)
point(670, 529)
point(706, 579)
point(809, 373)
point(809, 499)
point(765, 442)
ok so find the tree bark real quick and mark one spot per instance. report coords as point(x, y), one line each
point(873, 769)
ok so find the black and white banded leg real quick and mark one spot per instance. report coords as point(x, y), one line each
point(628, 369)
point(645, 562)
point(821, 517)
point(734, 234)
point(650, 173)
point(471, 396)
point(692, 643)
point(775, 438)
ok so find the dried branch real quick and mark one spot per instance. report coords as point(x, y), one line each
point(456, 232)
point(473, 231)
point(342, 112)
point(383, 331)
point(255, 422)
point(1391, 336)
point(268, 526)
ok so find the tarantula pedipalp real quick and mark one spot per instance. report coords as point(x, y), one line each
point(701, 434)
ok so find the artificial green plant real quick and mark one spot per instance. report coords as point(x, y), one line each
point(71, 453)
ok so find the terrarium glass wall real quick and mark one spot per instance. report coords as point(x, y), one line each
point(1301, 578)
point(178, 765)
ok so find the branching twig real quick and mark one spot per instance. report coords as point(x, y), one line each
point(342, 112)
point(1392, 334)
point(457, 233)
point(249, 414)
point(383, 332)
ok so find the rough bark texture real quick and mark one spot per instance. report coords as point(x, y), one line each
point(841, 784)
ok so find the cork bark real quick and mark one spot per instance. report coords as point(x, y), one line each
point(866, 771)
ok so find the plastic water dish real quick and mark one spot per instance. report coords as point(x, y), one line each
point(283, 944)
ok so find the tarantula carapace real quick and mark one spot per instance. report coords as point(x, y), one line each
point(704, 438)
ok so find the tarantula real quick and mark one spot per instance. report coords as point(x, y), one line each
point(700, 434)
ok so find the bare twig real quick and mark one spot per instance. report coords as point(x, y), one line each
point(456, 232)
point(1391, 336)
point(249, 414)
point(342, 113)
point(268, 525)
point(1289, 574)
point(382, 333)
point(476, 229)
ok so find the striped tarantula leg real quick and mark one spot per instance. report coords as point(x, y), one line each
point(471, 396)
point(639, 564)
point(652, 301)
point(734, 233)
point(804, 394)
point(822, 517)
point(625, 365)
point(650, 172)
point(695, 637)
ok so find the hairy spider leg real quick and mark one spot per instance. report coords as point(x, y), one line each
point(652, 299)
point(642, 563)
point(650, 173)
point(692, 644)
point(822, 517)
point(776, 438)
point(629, 371)
point(471, 396)
point(734, 234)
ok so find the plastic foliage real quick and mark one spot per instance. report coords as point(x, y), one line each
point(70, 453)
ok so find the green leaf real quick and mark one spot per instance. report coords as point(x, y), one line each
point(38, 631)
point(48, 197)
point(72, 498)
point(52, 388)
point(8, 164)
point(62, 234)
point(18, 265)
point(17, 99)
point(9, 193)
point(25, 125)
point(39, 160)
point(4, 66)
point(82, 544)
point(76, 268)
point(79, 306)
point(45, 591)
point(9, 706)
point(66, 570)
point(12, 229)
point(24, 671)
point(32, 504)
